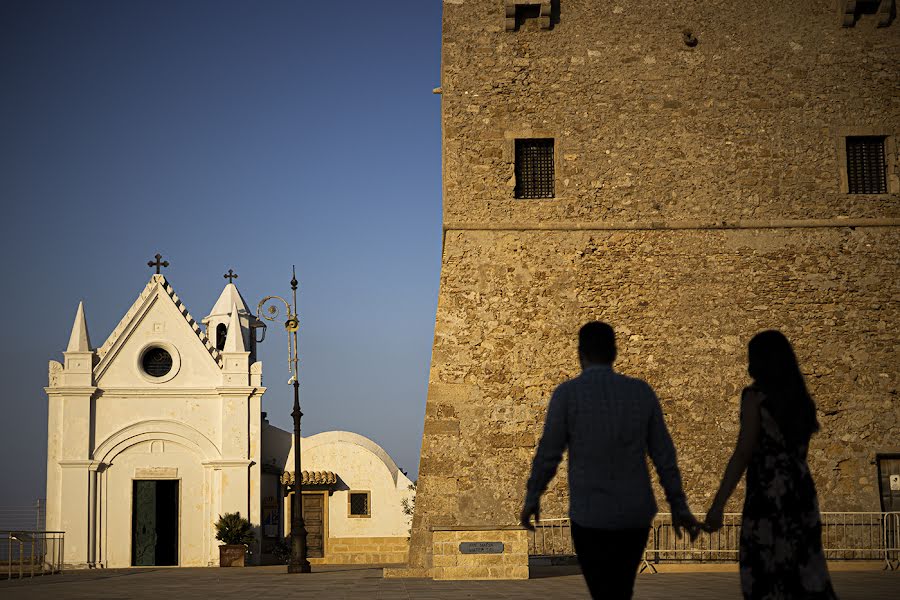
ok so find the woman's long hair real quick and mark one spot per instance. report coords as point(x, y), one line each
point(775, 371)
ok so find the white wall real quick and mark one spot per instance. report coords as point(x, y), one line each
point(361, 465)
point(116, 501)
point(200, 424)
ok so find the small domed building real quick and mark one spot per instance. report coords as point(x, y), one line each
point(355, 499)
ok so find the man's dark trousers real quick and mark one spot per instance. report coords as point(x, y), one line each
point(609, 559)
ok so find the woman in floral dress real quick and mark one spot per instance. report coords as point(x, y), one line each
point(781, 554)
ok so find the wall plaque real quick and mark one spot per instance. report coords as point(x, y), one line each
point(481, 547)
point(156, 473)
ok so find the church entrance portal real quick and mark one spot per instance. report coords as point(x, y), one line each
point(154, 523)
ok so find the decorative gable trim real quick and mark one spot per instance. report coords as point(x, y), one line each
point(133, 316)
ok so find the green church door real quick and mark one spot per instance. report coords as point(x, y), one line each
point(154, 523)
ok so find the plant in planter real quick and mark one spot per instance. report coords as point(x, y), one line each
point(235, 533)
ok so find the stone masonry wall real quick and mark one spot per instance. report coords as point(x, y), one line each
point(744, 125)
point(366, 551)
point(699, 200)
point(684, 305)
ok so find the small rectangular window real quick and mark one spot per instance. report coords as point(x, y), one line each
point(525, 12)
point(866, 165)
point(545, 13)
point(534, 168)
point(359, 504)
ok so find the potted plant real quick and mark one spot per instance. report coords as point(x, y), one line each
point(236, 534)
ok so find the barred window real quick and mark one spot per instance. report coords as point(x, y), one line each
point(525, 12)
point(866, 165)
point(156, 362)
point(359, 504)
point(534, 168)
point(544, 12)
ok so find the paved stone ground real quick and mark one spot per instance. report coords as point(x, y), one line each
point(361, 583)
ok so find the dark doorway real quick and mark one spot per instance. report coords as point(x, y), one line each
point(154, 523)
point(889, 481)
point(313, 508)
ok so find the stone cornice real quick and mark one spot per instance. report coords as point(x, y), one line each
point(159, 392)
point(227, 462)
point(178, 392)
point(665, 225)
point(92, 465)
point(71, 390)
point(477, 528)
point(240, 391)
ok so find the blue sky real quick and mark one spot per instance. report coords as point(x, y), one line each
point(244, 135)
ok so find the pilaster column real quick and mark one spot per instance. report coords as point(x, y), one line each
point(92, 515)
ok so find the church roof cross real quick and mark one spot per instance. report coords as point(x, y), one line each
point(159, 263)
point(230, 276)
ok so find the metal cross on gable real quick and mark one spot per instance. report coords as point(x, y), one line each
point(230, 276)
point(158, 263)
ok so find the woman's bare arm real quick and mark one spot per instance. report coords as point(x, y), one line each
point(740, 458)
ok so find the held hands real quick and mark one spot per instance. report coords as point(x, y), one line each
point(714, 519)
point(688, 522)
point(527, 511)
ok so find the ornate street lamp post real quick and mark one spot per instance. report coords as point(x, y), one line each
point(299, 563)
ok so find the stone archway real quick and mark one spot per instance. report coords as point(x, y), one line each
point(156, 495)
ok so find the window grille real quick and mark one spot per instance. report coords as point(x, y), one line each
point(534, 168)
point(156, 362)
point(866, 165)
point(544, 12)
point(525, 12)
point(359, 504)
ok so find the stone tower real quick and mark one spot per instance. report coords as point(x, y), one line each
point(692, 172)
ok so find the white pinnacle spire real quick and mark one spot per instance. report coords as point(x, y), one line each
point(79, 341)
point(229, 296)
point(234, 339)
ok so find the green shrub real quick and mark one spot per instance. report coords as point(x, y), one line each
point(233, 529)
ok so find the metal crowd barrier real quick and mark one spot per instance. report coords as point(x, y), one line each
point(845, 536)
point(551, 537)
point(30, 553)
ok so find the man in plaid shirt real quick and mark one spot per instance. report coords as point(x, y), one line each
point(609, 422)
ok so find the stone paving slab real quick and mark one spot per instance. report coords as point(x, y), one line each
point(366, 583)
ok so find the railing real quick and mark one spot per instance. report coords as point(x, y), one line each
point(30, 553)
point(551, 537)
point(720, 546)
point(845, 536)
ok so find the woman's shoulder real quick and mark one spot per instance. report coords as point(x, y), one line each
point(752, 403)
point(752, 395)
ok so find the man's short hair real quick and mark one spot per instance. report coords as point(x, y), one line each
point(597, 342)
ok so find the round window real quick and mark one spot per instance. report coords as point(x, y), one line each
point(156, 362)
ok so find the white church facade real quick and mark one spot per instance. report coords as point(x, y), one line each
point(159, 430)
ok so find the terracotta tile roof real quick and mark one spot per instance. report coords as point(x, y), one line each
point(310, 478)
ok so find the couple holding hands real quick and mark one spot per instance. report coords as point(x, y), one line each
point(610, 422)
